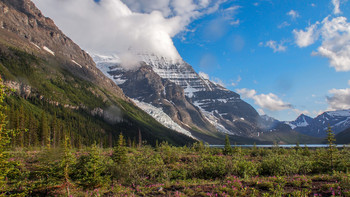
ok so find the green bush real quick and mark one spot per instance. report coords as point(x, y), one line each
point(90, 169)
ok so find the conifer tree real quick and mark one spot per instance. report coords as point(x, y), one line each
point(67, 162)
point(44, 131)
point(228, 148)
point(119, 154)
point(4, 137)
point(331, 147)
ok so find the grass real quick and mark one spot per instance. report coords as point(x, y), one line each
point(180, 171)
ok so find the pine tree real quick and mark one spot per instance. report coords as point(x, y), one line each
point(119, 153)
point(331, 147)
point(4, 137)
point(44, 131)
point(67, 162)
point(140, 139)
point(90, 168)
point(228, 148)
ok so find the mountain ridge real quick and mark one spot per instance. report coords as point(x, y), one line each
point(55, 77)
point(338, 120)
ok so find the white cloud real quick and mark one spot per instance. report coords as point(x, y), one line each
point(336, 43)
point(261, 112)
point(267, 101)
point(275, 46)
point(335, 36)
point(294, 14)
point(282, 25)
point(204, 75)
point(215, 80)
point(306, 38)
point(340, 99)
point(298, 112)
point(116, 26)
point(239, 79)
point(336, 4)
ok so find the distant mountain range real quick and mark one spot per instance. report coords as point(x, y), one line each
point(337, 120)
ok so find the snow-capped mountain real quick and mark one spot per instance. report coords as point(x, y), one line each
point(195, 103)
point(337, 120)
point(301, 121)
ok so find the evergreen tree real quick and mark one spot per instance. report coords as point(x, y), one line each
point(44, 131)
point(228, 148)
point(4, 137)
point(119, 153)
point(67, 162)
point(331, 146)
point(90, 169)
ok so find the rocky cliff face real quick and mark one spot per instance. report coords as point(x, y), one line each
point(38, 60)
point(24, 26)
point(190, 100)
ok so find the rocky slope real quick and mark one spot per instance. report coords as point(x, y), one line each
point(45, 65)
point(195, 103)
point(343, 137)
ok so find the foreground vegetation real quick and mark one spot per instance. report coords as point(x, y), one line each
point(165, 170)
point(177, 171)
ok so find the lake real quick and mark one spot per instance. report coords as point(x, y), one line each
point(283, 146)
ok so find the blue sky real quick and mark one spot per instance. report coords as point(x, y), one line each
point(282, 57)
point(294, 75)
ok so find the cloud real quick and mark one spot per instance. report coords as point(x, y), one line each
point(275, 46)
point(298, 112)
point(239, 79)
point(340, 99)
point(282, 25)
point(267, 101)
point(307, 37)
point(294, 14)
point(218, 27)
point(204, 75)
point(335, 36)
point(336, 4)
point(349, 82)
point(261, 112)
point(336, 43)
point(118, 26)
point(215, 80)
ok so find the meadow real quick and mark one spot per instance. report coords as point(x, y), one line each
point(167, 170)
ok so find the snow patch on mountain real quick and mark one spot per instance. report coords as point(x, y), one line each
point(77, 63)
point(109, 64)
point(342, 113)
point(212, 119)
point(49, 50)
point(161, 117)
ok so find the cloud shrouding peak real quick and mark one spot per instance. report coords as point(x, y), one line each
point(267, 101)
point(116, 26)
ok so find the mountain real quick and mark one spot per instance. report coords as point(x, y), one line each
point(337, 120)
point(58, 90)
point(198, 105)
point(343, 137)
